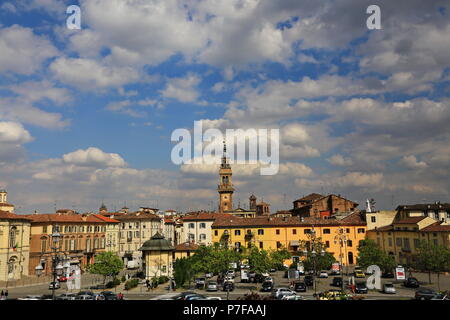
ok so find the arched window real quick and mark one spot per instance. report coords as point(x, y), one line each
point(12, 237)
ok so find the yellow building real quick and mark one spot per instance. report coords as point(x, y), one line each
point(111, 233)
point(14, 246)
point(379, 218)
point(272, 233)
point(184, 250)
point(402, 238)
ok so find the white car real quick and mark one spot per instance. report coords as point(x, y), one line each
point(231, 273)
point(292, 297)
point(31, 297)
point(213, 298)
point(228, 278)
point(388, 287)
point(281, 292)
point(323, 274)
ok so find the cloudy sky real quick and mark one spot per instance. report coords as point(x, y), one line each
point(86, 115)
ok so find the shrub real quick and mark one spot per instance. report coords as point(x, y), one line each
point(163, 279)
point(123, 279)
point(132, 283)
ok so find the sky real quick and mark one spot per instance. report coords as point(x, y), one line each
point(86, 116)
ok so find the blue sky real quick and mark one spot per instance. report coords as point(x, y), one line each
point(86, 115)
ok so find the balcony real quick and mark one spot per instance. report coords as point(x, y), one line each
point(249, 236)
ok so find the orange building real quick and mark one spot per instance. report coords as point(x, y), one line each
point(320, 206)
point(82, 237)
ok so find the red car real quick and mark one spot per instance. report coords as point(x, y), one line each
point(62, 279)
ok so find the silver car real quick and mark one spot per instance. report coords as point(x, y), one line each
point(211, 286)
point(388, 287)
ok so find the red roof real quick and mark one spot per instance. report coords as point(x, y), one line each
point(436, 227)
point(54, 217)
point(409, 220)
point(186, 246)
point(12, 216)
point(106, 219)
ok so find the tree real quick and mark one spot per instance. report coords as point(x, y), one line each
point(432, 258)
point(106, 264)
point(277, 258)
point(258, 260)
point(214, 258)
point(369, 253)
point(183, 271)
point(317, 258)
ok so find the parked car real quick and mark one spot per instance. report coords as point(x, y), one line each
point(299, 286)
point(337, 282)
point(109, 295)
point(54, 285)
point(213, 298)
point(323, 274)
point(388, 275)
point(183, 295)
point(360, 287)
point(195, 297)
point(440, 296)
point(228, 286)
point(359, 273)
point(31, 297)
point(309, 280)
point(85, 292)
point(231, 273)
point(211, 286)
point(411, 283)
point(66, 296)
point(292, 297)
point(280, 292)
point(425, 294)
point(388, 287)
point(84, 297)
point(200, 283)
point(267, 286)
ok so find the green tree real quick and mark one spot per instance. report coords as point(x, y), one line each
point(214, 258)
point(183, 271)
point(106, 264)
point(432, 258)
point(258, 260)
point(316, 258)
point(277, 258)
point(369, 253)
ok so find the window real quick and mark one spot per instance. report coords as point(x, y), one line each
point(191, 226)
point(436, 215)
point(373, 219)
point(137, 234)
point(294, 231)
point(277, 231)
point(261, 245)
point(237, 232)
point(307, 231)
point(326, 231)
point(327, 244)
point(12, 237)
point(435, 242)
point(237, 245)
point(202, 225)
point(279, 245)
point(348, 230)
point(398, 242)
point(202, 236)
point(390, 242)
point(349, 243)
point(416, 243)
point(44, 229)
point(361, 230)
point(260, 232)
point(191, 237)
point(216, 233)
point(44, 245)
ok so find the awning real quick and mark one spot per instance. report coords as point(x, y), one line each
point(294, 243)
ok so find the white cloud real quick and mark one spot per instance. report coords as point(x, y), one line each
point(182, 89)
point(412, 162)
point(13, 132)
point(22, 51)
point(339, 160)
point(93, 157)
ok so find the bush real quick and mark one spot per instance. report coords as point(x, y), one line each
point(132, 283)
point(163, 279)
point(123, 279)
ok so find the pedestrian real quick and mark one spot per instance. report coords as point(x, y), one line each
point(2, 295)
point(6, 294)
point(120, 296)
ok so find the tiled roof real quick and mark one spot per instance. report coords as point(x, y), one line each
point(436, 227)
point(310, 197)
point(186, 246)
point(284, 222)
point(409, 220)
point(12, 216)
point(54, 217)
point(106, 219)
point(205, 216)
point(425, 206)
point(137, 216)
point(168, 220)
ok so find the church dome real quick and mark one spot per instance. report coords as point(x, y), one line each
point(157, 243)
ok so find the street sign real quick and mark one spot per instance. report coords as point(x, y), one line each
point(400, 273)
point(335, 266)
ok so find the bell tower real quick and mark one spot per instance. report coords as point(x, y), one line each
point(225, 187)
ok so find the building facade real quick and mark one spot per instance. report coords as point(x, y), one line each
point(157, 257)
point(225, 187)
point(197, 227)
point(14, 246)
point(82, 238)
point(437, 211)
point(273, 233)
point(403, 237)
point(319, 206)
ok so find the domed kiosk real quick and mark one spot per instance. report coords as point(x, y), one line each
point(157, 257)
